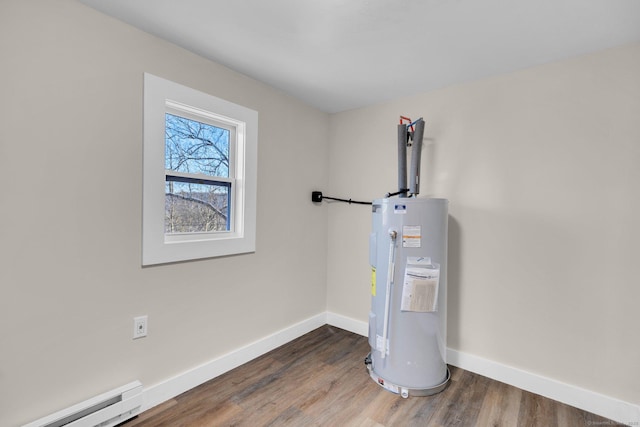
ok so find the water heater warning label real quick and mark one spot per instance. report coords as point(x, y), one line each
point(373, 281)
point(411, 236)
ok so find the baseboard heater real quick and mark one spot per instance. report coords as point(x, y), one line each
point(105, 410)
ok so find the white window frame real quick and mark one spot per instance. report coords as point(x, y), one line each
point(163, 96)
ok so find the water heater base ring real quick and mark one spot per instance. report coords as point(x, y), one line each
point(406, 392)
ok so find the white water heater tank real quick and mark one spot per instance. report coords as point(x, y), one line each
point(408, 318)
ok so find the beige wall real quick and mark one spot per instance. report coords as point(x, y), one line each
point(71, 279)
point(542, 170)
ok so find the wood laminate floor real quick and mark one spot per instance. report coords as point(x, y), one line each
point(320, 379)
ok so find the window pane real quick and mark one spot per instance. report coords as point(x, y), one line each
point(195, 147)
point(193, 208)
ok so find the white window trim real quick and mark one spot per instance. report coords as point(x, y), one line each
point(161, 96)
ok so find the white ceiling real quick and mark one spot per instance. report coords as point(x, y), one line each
point(342, 54)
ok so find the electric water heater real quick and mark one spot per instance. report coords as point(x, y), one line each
point(408, 319)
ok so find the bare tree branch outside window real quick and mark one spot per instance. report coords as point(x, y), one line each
point(193, 147)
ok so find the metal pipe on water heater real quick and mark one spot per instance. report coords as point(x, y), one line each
point(416, 152)
point(403, 137)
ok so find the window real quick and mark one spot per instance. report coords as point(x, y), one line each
point(199, 178)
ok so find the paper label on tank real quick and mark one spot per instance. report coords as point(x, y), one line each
point(411, 236)
point(420, 289)
point(400, 209)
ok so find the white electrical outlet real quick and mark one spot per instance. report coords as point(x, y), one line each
point(139, 327)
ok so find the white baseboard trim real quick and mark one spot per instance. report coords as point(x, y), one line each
point(599, 404)
point(172, 387)
point(347, 323)
point(614, 409)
